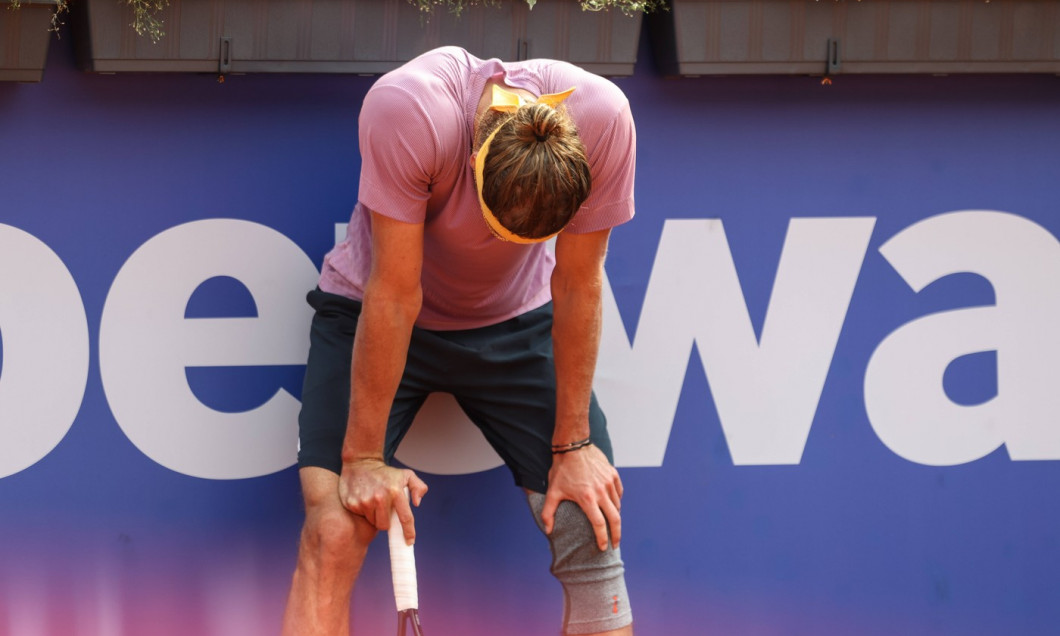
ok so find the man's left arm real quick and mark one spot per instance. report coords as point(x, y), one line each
point(584, 476)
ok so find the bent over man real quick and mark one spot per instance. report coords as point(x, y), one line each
point(444, 283)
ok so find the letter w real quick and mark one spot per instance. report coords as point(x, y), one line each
point(766, 393)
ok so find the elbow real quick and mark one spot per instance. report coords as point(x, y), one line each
point(585, 284)
point(402, 303)
point(411, 303)
point(577, 296)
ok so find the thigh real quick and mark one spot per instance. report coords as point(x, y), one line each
point(521, 433)
point(326, 387)
point(511, 396)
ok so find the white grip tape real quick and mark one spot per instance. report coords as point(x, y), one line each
point(402, 567)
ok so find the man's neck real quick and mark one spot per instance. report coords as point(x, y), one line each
point(487, 95)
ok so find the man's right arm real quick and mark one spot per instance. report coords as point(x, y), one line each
point(391, 303)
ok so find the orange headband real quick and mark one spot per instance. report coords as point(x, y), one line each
point(508, 102)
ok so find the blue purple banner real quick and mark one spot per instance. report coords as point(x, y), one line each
point(829, 361)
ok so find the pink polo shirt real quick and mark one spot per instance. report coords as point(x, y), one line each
point(415, 142)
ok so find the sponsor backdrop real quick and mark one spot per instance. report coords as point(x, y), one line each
point(829, 361)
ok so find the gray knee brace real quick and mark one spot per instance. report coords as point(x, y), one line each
point(594, 585)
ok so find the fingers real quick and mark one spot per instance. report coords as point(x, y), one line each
point(606, 522)
point(599, 524)
point(403, 513)
point(614, 523)
point(548, 511)
point(417, 487)
point(602, 511)
point(375, 509)
point(613, 511)
point(392, 506)
point(613, 490)
point(590, 481)
point(384, 508)
point(380, 494)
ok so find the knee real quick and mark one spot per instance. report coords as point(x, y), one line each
point(336, 534)
point(593, 581)
point(575, 556)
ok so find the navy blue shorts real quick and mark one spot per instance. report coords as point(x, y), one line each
point(502, 376)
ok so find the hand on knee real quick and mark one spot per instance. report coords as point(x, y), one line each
point(336, 534)
point(594, 583)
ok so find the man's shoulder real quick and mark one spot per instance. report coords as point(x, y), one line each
point(447, 63)
point(559, 75)
point(423, 89)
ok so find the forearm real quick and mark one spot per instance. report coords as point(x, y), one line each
point(379, 352)
point(584, 476)
point(576, 339)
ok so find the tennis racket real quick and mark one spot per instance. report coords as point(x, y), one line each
point(403, 570)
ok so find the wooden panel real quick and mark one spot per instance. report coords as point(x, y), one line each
point(24, 40)
point(699, 37)
point(350, 36)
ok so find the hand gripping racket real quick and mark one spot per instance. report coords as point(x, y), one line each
point(403, 570)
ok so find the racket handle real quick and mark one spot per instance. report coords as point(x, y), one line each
point(402, 566)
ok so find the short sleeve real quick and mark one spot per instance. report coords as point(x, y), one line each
point(398, 146)
point(612, 162)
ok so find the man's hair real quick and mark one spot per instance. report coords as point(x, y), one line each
point(536, 174)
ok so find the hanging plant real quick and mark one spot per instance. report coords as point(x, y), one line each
point(628, 7)
point(147, 23)
point(61, 7)
point(145, 16)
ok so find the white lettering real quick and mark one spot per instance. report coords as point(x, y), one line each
point(45, 350)
point(766, 393)
point(766, 389)
point(904, 395)
point(146, 343)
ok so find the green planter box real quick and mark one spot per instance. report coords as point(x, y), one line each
point(345, 36)
point(24, 39)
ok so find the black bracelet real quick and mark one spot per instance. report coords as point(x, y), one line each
point(571, 445)
point(560, 449)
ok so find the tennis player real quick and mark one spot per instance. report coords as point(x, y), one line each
point(444, 283)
